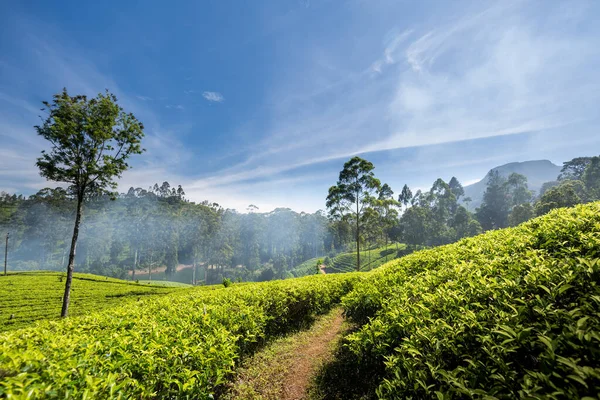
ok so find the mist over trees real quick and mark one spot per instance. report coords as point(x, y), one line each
point(157, 227)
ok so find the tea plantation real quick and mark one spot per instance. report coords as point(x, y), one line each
point(26, 297)
point(513, 313)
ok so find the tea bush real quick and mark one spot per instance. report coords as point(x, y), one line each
point(183, 345)
point(513, 313)
point(33, 296)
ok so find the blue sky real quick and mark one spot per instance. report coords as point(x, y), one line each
point(261, 102)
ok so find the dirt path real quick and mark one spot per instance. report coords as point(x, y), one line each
point(322, 269)
point(284, 369)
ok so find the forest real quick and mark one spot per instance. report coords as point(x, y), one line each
point(145, 229)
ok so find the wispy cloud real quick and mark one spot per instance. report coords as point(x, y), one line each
point(485, 74)
point(391, 53)
point(143, 98)
point(175, 106)
point(213, 97)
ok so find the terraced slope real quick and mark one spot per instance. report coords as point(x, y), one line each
point(346, 262)
point(369, 259)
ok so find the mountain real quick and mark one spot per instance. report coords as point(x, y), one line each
point(537, 172)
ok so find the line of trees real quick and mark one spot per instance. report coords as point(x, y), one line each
point(363, 208)
point(157, 227)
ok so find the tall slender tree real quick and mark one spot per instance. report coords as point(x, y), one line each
point(353, 193)
point(405, 196)
point(91, 142)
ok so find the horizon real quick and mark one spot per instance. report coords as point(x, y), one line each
point(267, 112)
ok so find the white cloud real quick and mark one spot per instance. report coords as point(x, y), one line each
point(144, 98)
point(174, 106)
point(390, 54)
point(213, 97)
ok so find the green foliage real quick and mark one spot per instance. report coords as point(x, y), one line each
point(513, 313)
point(566, 194)
point(353, 194)
point(493, 213)
point(520, 213)
point(35, 296)
point(574, 169)
point(591, 178)
point(182, 346)
point(227, 282)
point(91, 141)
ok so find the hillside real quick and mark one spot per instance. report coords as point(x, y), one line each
point(537, 172)
point(346, 262)
point(512, 313)
point(27, 297)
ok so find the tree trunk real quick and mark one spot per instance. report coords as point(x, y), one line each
point(135, 260)
point(194, 275)
point(150, 265)
point(6, 254)
point(357, 238)
point(71, 265)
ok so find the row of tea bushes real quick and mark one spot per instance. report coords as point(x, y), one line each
point(184, 345)
point(513, 313)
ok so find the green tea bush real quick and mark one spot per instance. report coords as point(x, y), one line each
point(183, 345)
point(513, 313)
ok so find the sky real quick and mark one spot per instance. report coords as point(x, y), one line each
point(262, 102)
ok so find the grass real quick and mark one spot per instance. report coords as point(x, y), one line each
point(26, 297)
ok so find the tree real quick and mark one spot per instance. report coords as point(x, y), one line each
point(405, 196)
point(91, 142)
point(386, 207)
point(591, 179)
point(546, 186)
point(520, 213)
point(493, 213)
point(574, 169)
point(467, 201)
point(517, 189)
point(354, 191)
point(442, 203)
point(415, 225)
point(456, 188)
point(567, 194)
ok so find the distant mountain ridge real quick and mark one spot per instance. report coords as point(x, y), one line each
point(537, 172)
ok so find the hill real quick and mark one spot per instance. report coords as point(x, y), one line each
point(26, 297)
point(537, 172)
point(346, 262)
point(512, 313)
